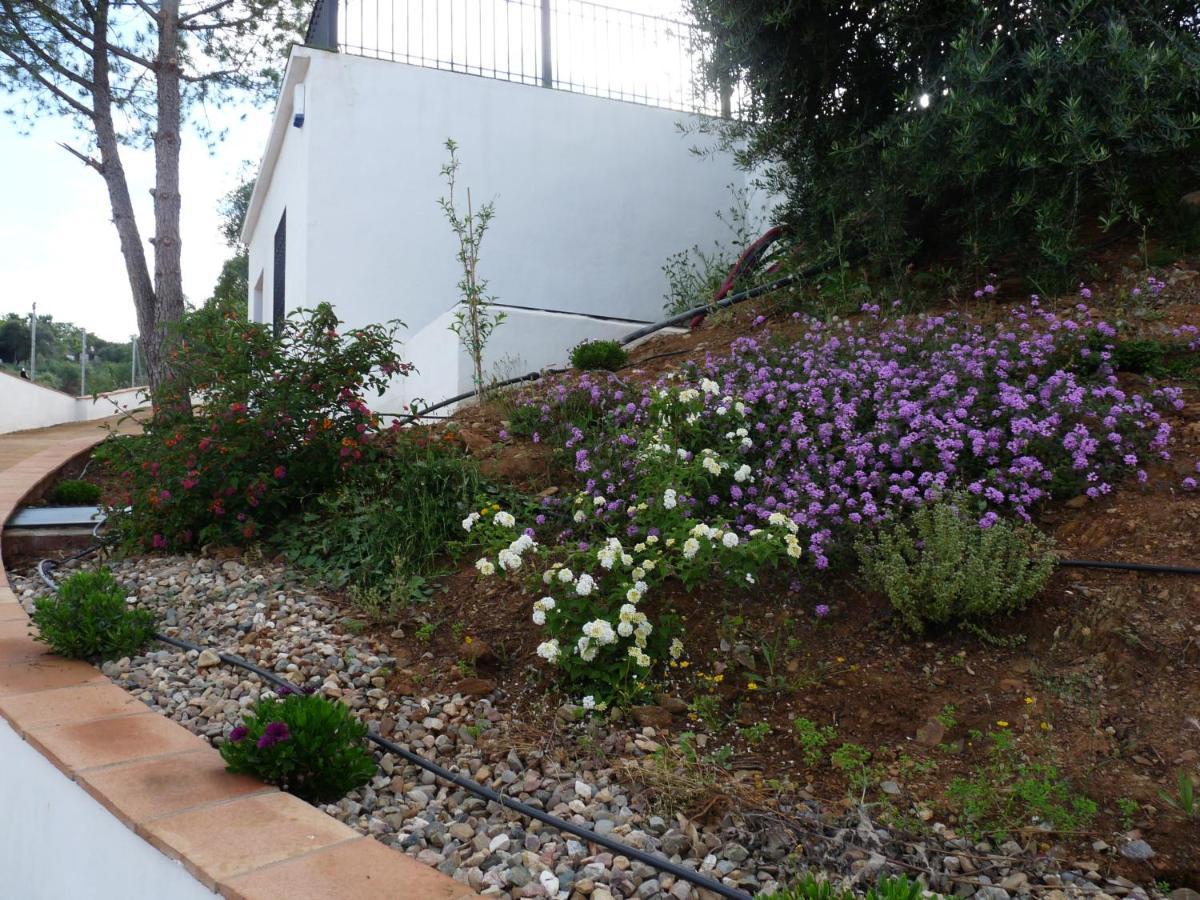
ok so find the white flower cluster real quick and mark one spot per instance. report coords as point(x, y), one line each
point(540, 609)
point(469, 522)
point(509, 559)
point(779, 520)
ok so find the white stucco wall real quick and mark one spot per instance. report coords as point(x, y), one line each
point(57, 842)
point(592, 196)
point(25, 405)
point(527, 341)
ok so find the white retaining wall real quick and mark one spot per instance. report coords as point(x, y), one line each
point(58, 842)
point(592, 196)
point(25, 405)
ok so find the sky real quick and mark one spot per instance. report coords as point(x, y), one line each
point(57, 243)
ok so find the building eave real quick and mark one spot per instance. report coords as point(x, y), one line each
point(297, 70)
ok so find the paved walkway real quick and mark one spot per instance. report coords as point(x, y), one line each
point(236, 836)
point(17, 446)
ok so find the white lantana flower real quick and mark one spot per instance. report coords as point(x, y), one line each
point(676, 649)
point(588, 702)
point(585, 585)
point(566, 576)
point(485, 566)
point(548, 650)
point(504, 519)
point(729, 540)
point(469, 522)
point(579, 516)
point(742, 473)
point(690, 548)
point(670, 500)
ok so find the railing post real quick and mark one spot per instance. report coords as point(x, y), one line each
point(547, 64)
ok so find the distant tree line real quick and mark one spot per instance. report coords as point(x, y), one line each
point(58, 348)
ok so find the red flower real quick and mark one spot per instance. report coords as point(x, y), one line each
point(280, 472)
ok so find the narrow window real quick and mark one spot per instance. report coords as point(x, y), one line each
point(280, 270)
point(257, 313)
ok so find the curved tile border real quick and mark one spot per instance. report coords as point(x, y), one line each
point(238, 836)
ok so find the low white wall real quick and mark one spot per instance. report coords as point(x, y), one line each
point(25, 405)
point(56, 841)
point(527, 341)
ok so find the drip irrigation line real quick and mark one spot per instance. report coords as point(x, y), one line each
point(681, 318)
point(657, 862)
point(1128, 566)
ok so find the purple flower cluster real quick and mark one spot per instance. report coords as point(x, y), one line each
point(850, 423)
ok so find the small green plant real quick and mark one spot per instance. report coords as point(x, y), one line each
point(1009, 792)
point(888, 888)
point(1184, 798)
point(854, 760)
point(425, 632)
point(590, 355)
point(813, 739)
point(707, 710)
point(1128, 808)
point(755, 734)
point(71, 492)
point(89, 619)
point(308, 745)
point(946, 717)
point(943, 568)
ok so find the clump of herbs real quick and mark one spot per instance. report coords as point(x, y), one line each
point(89, 619)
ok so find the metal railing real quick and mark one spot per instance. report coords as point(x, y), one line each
point(568, 45)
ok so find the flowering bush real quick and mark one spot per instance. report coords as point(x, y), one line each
point(591, 605)
point(858, 421)
point(785, 452)
point(306, 744)
point(281, 419)
point(941, 568)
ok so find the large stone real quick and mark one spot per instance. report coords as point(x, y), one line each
point(655, 716)
point(475, 687)
point(931, 733)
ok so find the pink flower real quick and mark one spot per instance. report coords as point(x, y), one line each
point(280, 472)
point(158, 542)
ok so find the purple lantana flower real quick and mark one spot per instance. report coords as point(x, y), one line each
point(822, 610)
point(275, 733)
point(238, 734)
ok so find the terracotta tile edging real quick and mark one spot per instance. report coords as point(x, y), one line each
point(240, 837)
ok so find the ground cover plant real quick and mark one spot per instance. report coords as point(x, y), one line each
point(89, 619)
point(308, 745)
point(779, 455)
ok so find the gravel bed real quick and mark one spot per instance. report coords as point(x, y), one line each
point(265, 614)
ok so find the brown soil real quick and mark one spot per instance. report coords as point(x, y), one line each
point(1100, 677)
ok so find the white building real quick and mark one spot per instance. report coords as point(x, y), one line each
point(592, 194)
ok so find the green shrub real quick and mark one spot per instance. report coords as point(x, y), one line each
point(607, 355)
point(70, 492)
point(943, 568)
point(308, 745)
point(89, 619)
point(389, 522)
point(1007, 129)
point(283, 420)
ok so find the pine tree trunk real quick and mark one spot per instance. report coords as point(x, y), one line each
point(168, 275)
point(114, 179)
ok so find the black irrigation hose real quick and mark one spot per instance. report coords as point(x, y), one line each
point(650, 859)
point(1128, 566)
point(748, 294)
